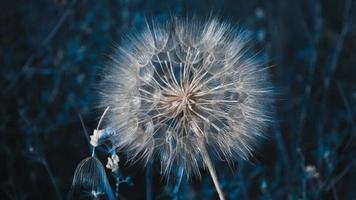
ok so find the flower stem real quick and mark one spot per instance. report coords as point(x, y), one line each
point(117, 184)
point(212, 173)
point(51, 177)
point(149, 177)
point(179, 180)
point(93, 152)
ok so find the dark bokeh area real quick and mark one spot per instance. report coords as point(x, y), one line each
point(51, 52)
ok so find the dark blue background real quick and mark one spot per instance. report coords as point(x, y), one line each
point(51, 51)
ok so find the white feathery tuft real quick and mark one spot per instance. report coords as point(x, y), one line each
point(183, 89)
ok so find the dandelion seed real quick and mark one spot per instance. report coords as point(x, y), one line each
point(185, 91)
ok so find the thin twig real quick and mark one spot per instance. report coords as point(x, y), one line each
point(314, 41)
point(304, 180)
point(102, 117)
point(86, 134)
point(178, 183)
point(339, 45)
point(53, 180)
point(98, 126)
point(281, 146)
point(117, 186)
point(349, 115)
point(149, 177)
point(49, 37)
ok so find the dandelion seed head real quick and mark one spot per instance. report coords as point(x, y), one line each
point(89, 177)
point(179, 87)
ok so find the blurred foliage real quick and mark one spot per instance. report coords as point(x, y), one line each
point(51, 51)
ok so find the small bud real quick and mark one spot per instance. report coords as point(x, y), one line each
point(311, 172)
point(100, 135)
point(113, 163)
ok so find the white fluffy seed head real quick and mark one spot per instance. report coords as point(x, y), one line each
point(177, 88)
